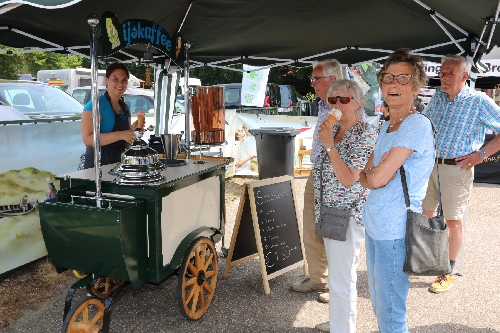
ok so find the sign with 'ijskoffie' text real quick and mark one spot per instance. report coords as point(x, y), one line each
point(116, 36)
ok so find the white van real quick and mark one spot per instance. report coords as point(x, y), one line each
point(76, 77)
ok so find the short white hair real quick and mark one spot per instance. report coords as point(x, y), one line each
point(350, 86)
point(331, 67)
point(464, 64)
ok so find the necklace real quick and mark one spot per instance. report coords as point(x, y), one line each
point(400, 120)
point(116, 107)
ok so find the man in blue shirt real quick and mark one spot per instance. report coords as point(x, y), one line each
point(461, 116)
point(324, 72)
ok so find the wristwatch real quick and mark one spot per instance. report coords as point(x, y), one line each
point(329, 149)
point(482, 153)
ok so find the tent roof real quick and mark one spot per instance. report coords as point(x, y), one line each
point(262, 32)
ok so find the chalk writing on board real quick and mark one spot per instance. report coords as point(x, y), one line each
point(277, 224)
point(268, 224)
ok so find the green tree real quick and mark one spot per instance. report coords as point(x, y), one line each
point(212, 75)
point(297, 77)
point(12, 64)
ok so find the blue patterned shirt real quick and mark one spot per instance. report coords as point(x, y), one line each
point(355, 149)
point(317, 146)
point(461, 123)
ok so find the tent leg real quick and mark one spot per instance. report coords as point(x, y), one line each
point(93, 21)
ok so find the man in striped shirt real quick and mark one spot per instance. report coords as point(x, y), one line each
point(461, 116)
point(324, 72)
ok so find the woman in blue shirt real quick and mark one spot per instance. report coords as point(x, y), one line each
point(405, 140)
point(116, 131)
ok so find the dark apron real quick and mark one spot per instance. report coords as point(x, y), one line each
point(110, 153)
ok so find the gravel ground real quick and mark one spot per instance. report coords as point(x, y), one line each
point(240, 305)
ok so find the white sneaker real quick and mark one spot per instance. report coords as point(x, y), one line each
point(308, 285)
point(324, 297)
point(324, 326)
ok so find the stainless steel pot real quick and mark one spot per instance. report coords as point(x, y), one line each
point(171, 144)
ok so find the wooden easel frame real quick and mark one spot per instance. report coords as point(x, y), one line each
point(249, 188)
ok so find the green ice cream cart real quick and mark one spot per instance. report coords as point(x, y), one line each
point(139, 234)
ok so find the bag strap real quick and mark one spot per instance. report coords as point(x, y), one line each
point(403, 177)
point(321, 182)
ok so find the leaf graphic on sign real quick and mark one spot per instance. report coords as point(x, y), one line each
point(249, 98)
point(253, 86)
point(253, 75)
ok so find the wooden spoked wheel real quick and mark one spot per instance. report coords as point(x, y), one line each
point(197, 278)
point(86, 316)
point(103, 286)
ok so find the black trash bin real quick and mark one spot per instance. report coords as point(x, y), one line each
point(275, 150)
point(313, 108)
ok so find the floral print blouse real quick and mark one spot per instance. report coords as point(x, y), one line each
point(355, 149)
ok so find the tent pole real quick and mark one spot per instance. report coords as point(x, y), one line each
point(93, 21)
point(187, 103)
point(433, 15)
point(493, 26)
point(185, 15)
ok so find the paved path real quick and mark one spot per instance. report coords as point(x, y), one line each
point(240, 305)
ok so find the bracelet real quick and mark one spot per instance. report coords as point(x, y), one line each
point(329, 149)
point(366, 170)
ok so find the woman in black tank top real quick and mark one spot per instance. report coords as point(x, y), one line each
point(122, 134)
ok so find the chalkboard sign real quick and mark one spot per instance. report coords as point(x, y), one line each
point(267, 226)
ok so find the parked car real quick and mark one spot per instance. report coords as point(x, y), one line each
point(136, 98)
point(37, 100)
point(289, 96)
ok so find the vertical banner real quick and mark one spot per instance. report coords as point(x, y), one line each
point(165, 92)
point(253, 87)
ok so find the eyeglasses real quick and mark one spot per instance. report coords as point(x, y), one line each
point(343, 100)
point(315, 79)
point(445, 74)
point(401, 78)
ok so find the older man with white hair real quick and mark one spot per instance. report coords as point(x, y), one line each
point(324, 72)
point(461, 116)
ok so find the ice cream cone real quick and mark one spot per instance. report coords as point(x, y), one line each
point(141, 119)
point(336, 113)
point(330, 121)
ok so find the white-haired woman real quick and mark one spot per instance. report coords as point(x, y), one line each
point(347, 146)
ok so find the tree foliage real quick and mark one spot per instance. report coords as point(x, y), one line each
point(31, 63)
point(13, 64)
point(211, 75)
point(297, 77)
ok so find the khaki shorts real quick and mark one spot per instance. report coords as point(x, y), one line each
point(456, 186)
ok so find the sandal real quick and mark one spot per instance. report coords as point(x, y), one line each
point(324, 326)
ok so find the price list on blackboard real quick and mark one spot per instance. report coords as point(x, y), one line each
point(277, 225)
point(267, 227)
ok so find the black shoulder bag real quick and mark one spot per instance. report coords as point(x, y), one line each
point(333, 222)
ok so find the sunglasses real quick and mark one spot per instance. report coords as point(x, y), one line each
point(343, 100)
point(385, 105)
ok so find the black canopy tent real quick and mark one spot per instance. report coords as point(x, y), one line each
point(266, 33)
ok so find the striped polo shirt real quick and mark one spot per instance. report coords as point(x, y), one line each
point(461, 124)
point(317, 145)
